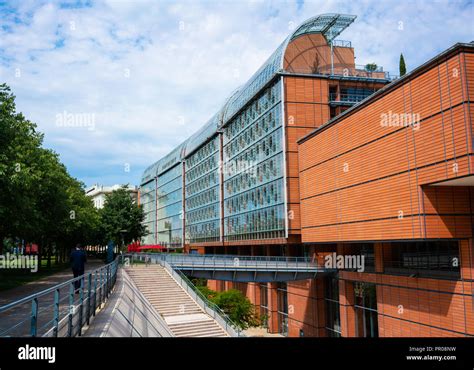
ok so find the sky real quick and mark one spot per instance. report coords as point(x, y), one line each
point(116, 85)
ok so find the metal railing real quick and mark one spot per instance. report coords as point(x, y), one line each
point(62, 310)
point(143, 313)
point(209, 307)
point(237, 262)
point(347, 98)
point(342, 43)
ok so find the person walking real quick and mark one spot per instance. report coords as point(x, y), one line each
point(78, 261)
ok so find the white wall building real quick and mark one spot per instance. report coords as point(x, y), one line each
point(99, 192)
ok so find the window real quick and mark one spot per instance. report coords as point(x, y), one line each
point(439, 259)
point(366, 310)
point(331, 298)
point(282, 293)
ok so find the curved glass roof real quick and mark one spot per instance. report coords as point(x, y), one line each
point(330, 25)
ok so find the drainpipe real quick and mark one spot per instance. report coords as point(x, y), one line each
point(332, 59)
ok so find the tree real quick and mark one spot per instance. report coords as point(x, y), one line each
point(238, 307)
point(39, 201)
point(19, 153)
point(121, 218)
point(402, 66)
point(371, 67)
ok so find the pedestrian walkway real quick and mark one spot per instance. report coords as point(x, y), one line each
point(21, 313)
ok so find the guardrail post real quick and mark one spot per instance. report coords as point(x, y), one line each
point(34, 317)
point(95, 293)
point(81, 306)
point(56, 313)
point(71, 309)
point(89, 286)
point(101, 296)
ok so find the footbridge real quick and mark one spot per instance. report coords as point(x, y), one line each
point(237, 268)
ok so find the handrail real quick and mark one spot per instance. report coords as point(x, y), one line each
point(80, 309)
point(148, 307)
point(211, 308)
point(238, 262)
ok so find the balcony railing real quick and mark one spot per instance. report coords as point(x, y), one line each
point(346, 98)
point(342, 43)
point(355, 71)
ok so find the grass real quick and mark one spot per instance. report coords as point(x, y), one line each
point(12, 278)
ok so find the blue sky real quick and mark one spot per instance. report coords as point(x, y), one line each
point(147, 74)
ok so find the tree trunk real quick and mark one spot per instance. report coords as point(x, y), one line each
point(48, 264)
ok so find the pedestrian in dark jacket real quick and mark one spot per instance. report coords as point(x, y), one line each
point(78, 261)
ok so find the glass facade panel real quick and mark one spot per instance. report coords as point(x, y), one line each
point(203, 194)
point(366, 310)
point(148, 203)
point(331, 299)
point(170, 207)
point(253, 170)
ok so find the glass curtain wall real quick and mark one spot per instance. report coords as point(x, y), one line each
point(253, 170)
point(170, 207)
point(148, 203)
point(202, 194)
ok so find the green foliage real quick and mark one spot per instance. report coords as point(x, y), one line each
point(208, 293)
point(121, 218)
point(39, 201)
point(402, 66)
point(237, 307)
point(371, 67)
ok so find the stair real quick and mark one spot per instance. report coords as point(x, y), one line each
point(184, 316)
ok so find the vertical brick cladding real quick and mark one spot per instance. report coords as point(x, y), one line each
point(306, 108)
point(361, 179)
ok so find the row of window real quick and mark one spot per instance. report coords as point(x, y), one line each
point(206, 213)
point(170, 198)
point(206, 197)
point(268, 219)
point(260, 105)
point(205, 151)
point(204, 232)
point(264, 196)
point(257, 153)
point(170, 175)
point(172, 238)
point(264, 172)
point(170, 186)
point(202, 168)
point(203, 183)
point(170, 223)
point(240, 139)
point(170, 210)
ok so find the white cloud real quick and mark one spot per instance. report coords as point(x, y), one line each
point(142, 67)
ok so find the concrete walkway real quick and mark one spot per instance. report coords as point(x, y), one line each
point(19, 315)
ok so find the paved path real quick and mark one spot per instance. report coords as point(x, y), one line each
point(19, 315)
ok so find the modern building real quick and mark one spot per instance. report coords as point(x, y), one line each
point(244, 185)
point(98, 193)
point(392, 179)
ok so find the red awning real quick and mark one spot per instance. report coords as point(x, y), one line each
point(143, 247)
